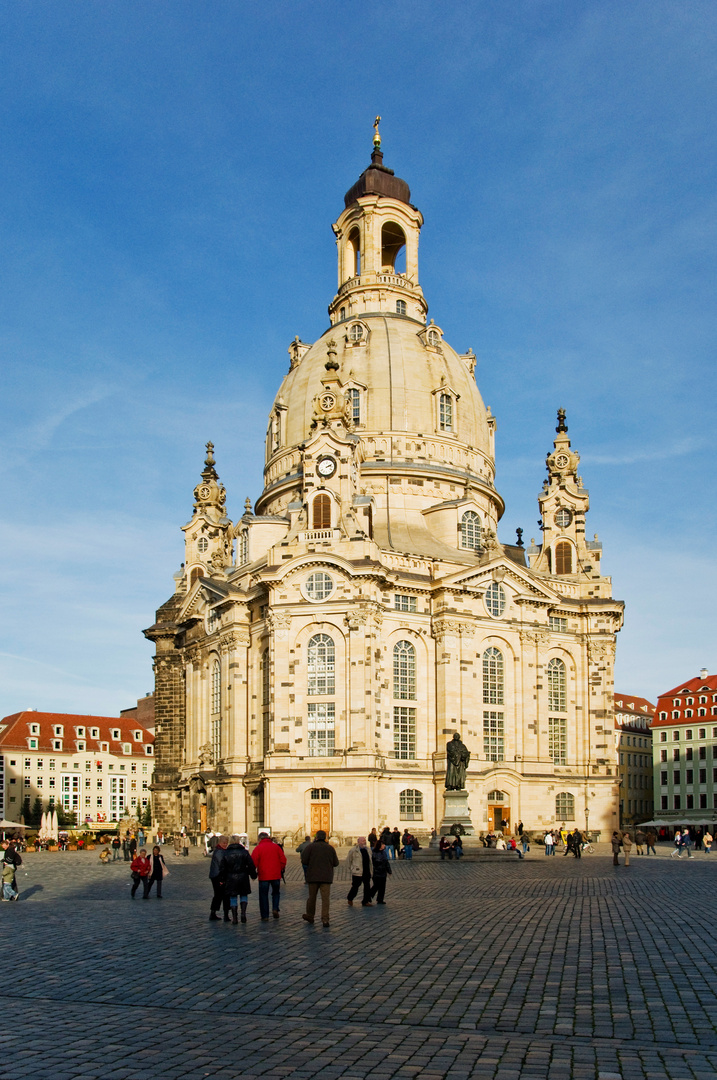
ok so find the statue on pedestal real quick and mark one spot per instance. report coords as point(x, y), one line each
point(458, 756)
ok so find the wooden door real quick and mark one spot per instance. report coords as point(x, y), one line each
point(321, 817)
point(203, 817)
point(497, 814)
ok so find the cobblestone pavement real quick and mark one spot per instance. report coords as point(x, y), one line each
point(547, 968)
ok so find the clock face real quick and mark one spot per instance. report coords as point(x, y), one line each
point(562, 461)
point(326, 466)
point(327, 402)
point(204, 492)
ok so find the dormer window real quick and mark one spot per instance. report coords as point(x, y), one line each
point(94, 733)
point(149, 750)
point(433, 338)
point(57, 744)
point(115, 734)
point(137, 736)
point(353, 396)
point(80, 744)
point(445, 412)
point(58, 730)
point(80, 731)
point(32, 744)
point(355, 332)
point(105, 748)
point(34, 729)
point(470, 531)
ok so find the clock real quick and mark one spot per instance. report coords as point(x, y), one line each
point(204, 492)
point(562, 461)
point(326, 467)
point(327, 402)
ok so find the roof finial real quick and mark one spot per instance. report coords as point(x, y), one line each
point(376, 134)
point(519, 534)
point(562, 426)
point(209, 472)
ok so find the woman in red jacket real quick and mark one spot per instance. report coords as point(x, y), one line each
point(140, 868)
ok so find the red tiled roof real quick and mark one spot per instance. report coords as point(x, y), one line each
point(631, 703)
point(693, 688)
point(15, 731)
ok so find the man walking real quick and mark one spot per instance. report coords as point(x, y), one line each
point(319, 859)
point(269, 860)
point(359, 864)
point(651, 839)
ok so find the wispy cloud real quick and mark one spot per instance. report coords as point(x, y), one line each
point(656, 453)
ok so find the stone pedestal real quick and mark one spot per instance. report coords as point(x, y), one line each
point(456, 812)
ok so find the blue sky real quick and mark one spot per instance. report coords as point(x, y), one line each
point(168, 176)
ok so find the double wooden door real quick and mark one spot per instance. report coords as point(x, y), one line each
point(320, 817)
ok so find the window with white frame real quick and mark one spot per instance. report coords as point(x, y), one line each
point(216, 710)
point(410, 805)
point(565, 806)
point(404, 732)
point(402, 602)
point(558, 739)
point(321, 728)
point(557, 622)
point(470, 531)
point(495, 599)
point(557, 686)
point(321, 666)
point(354, 399)
point(243, 547)
point(493, 677)
point(401, 307)
point(445, 412)
point(404, 671)
point(493, 735)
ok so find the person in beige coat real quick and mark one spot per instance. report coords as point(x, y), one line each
point(626, 847)
point(359, 867)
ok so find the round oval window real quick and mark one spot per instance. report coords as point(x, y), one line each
point(202, 544)
point(495, 599)
point(319, 586)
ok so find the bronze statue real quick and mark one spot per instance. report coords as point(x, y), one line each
point(458, 756)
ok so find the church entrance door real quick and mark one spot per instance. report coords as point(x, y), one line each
point(320, 817)
point(497, 815)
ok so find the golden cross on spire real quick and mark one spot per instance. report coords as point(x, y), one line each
point(376, 137)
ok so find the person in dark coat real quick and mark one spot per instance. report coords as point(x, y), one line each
point(237, 868)
point(216, 877)
point(319, 859)
point(157, 872)
point(396, 839)
point(381, 870)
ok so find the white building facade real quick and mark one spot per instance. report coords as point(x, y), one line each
point(318, 653)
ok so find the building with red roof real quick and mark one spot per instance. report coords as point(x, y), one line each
point(97, 767)
point(685, 752)
point(633, 748)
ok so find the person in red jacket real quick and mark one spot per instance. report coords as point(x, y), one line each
point(139, 868)
point(269, 860)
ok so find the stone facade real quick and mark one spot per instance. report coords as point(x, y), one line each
point(318, 654)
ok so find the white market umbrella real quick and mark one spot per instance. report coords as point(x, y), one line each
point(53, 825)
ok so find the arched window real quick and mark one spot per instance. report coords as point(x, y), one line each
point(563, 557)
point(557, 686)
point(404, 671)
point(353, 252)
point(470, 531)
point(495, 796)
point(445, 412)
point(321, 665)
point(393, 241)
point(216, 710)
point(565, 806)
point(410, 805)
point(321, 512)
point(243, 547)
point(265, 699)
point(196, 574)
point(354, 399)
point(401, 307)
point(493, 680)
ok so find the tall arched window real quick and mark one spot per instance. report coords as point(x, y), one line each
point(410, 805)
point(393, 241)
point(565, 806)
point(470, 530)
point(445, 412)
point(563, 557)
point(265, 699)
point(557, 686)
point(321, 665)
point(353, 252)
point(243, 547)
point(493, 677)
point(216, 710)
point(404, 671)
point(321, 512)
point(404, 689)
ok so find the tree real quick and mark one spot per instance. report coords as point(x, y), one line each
point(36, 814)
point(26, 810)
point(145, 815)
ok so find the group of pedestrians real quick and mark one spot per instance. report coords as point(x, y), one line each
point(369, 869)
point(148, 870)
point(395, 844)
point(232, 870)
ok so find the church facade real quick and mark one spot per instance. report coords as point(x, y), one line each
point(318, 653)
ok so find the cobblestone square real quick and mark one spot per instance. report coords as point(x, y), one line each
point(492, 968)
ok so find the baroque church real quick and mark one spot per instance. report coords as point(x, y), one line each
point(318, 653)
